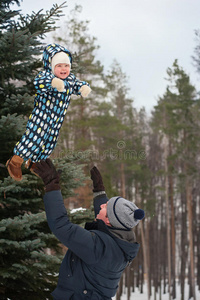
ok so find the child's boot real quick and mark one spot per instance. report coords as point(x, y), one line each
point(14, 167)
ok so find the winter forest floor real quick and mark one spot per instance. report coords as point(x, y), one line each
point(137, 295)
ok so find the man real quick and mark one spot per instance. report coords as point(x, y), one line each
point(98, 254)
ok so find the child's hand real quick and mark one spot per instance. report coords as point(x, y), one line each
point(85, 90)
point(58, 84)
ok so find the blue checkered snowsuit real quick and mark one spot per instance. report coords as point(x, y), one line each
point(50, 107)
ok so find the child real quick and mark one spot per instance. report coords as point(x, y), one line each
point(54, 87)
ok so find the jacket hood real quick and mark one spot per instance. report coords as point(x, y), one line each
point(49, 51)
point(124, 238)
point(126, 241)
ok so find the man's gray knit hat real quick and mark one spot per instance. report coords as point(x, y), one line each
point(123, 214)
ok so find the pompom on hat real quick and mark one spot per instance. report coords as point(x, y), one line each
point(60, 58)
point(123, 214)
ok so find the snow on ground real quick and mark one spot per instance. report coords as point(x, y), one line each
point(137, 295)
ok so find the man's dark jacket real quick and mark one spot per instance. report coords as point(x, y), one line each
point(97, 256)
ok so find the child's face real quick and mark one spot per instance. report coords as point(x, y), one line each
point(62, 70)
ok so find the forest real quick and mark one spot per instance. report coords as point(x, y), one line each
point(152, 160)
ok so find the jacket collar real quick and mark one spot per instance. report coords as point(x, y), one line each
point(123, 234)
point(97, 225)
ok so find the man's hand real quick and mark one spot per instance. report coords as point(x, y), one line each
point(58, 84)
point(97, 180)
point(85, 90)
point(47, 172)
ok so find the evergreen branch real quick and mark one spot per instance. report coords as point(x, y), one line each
point(41, 21)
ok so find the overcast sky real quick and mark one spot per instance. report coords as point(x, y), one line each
point(144, 36)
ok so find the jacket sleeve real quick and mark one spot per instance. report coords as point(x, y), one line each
point(85, 244)
point(42, 82)
point(78, 84)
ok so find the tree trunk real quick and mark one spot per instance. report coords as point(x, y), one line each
point(183, 246)
point(145, 255)
point(120, 289)
point(173, 238)
point(198, 245)
point(190, 235)
point(128, 283)
point(168, 214)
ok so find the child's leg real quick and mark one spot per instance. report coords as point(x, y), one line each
point(42, 155)
point(38, 144)
point(29, 145)
point(49, 145)
point(44, 152)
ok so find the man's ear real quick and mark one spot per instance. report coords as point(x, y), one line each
point(107, 222)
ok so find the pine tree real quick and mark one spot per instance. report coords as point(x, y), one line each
point(175, 122)
point(125, 135)
point(196, 59)
point(26, 271)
